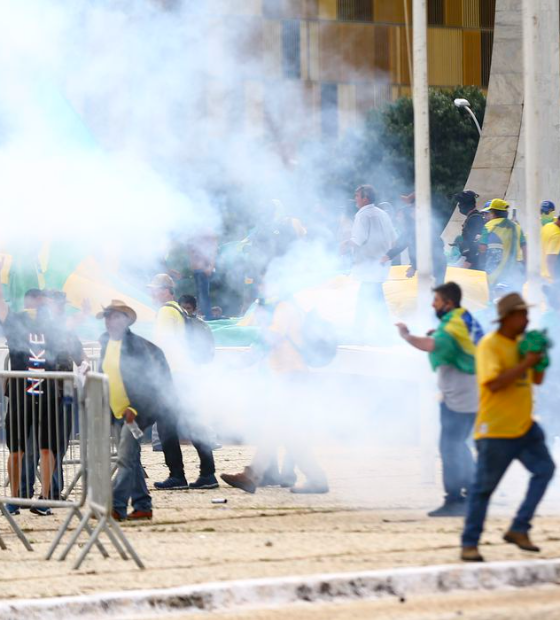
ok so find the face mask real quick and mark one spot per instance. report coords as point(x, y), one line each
point(441, 313)
point(465, 209)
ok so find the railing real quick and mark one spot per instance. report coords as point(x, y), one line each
point(43, 411)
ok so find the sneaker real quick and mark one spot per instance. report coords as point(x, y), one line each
point(42, 511)
point(471, 554)
point(12, 509)
point(522, 540)
point(172, 484)
point(311, 488)
point(205, 482)
point(117, 516)
point(243, 481)
point(450, 509)
point(140, 515)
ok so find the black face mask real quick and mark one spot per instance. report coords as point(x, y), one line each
point(465, 209)
point(441, 313)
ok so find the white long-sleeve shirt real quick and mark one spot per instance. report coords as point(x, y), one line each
point(374, 235)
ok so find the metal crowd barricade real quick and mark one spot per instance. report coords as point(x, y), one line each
point(39, 414)
point(99, 497)
point(43, 410)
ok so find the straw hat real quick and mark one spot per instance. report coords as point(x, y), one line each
point(510, 303)
point(117, 305)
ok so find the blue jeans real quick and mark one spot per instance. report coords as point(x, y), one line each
point(456, 457)
point(494, 457)
point(129, 482)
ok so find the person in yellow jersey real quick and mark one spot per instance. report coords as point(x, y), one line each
point(505, 429)
point(140, 394)
point(170, 335)
point(547, 212)
point(502, 247)
point(550, 243)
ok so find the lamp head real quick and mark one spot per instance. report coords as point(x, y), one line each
point(462, 103)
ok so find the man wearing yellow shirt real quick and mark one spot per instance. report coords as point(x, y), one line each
point(170, 335)
point(550, 243)
point(141, 391)
point(505, 429)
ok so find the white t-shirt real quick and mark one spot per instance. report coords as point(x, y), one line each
point(459, 389)
point(374, 234)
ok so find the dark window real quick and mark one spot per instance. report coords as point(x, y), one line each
point(486, 41)
point(487, 13)
point(291, 49)
point(436, 13)
point(355, 10)
point(329, 110)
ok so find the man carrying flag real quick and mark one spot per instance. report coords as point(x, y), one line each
point(451, 348)
point(502, 246)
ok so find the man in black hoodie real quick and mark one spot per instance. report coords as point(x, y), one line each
point(141, 392)
point(472, 228)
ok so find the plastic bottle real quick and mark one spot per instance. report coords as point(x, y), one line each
point(135, 430)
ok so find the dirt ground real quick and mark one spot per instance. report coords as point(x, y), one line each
point(374, 517)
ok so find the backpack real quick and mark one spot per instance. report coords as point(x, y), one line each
point(319, 343)
point(199, 337)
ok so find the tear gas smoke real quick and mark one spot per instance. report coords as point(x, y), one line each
point(120, 122)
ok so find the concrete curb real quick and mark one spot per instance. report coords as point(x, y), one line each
point(230, 595)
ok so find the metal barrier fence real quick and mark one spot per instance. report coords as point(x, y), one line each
point(39, 411)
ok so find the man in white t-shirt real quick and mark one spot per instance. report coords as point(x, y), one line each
point(373, 235)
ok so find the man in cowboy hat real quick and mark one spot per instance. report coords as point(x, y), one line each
point(141, 391)
point(505, 429)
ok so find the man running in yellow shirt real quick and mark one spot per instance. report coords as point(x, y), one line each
point(505, 429)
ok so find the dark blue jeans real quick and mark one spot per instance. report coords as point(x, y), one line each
point(129, 484)
point(494, 457)
point(456, 456)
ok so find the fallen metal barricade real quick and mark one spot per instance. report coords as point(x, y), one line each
point(43, 410)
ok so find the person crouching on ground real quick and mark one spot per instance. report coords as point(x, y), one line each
point(140, 390)
point(451, 348)
point(505, 429)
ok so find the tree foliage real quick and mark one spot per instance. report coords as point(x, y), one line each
point(382, 153)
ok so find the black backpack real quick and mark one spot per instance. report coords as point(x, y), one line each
point(200, 340)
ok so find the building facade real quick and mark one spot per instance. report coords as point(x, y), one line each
point(345, 57)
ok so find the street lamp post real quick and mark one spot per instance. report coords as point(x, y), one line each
point(464, 103)
point(423, 223)
point(422, 153)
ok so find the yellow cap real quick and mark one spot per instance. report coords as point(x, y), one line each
point(497, 205)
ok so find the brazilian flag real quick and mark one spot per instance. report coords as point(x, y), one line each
point(456, 338)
